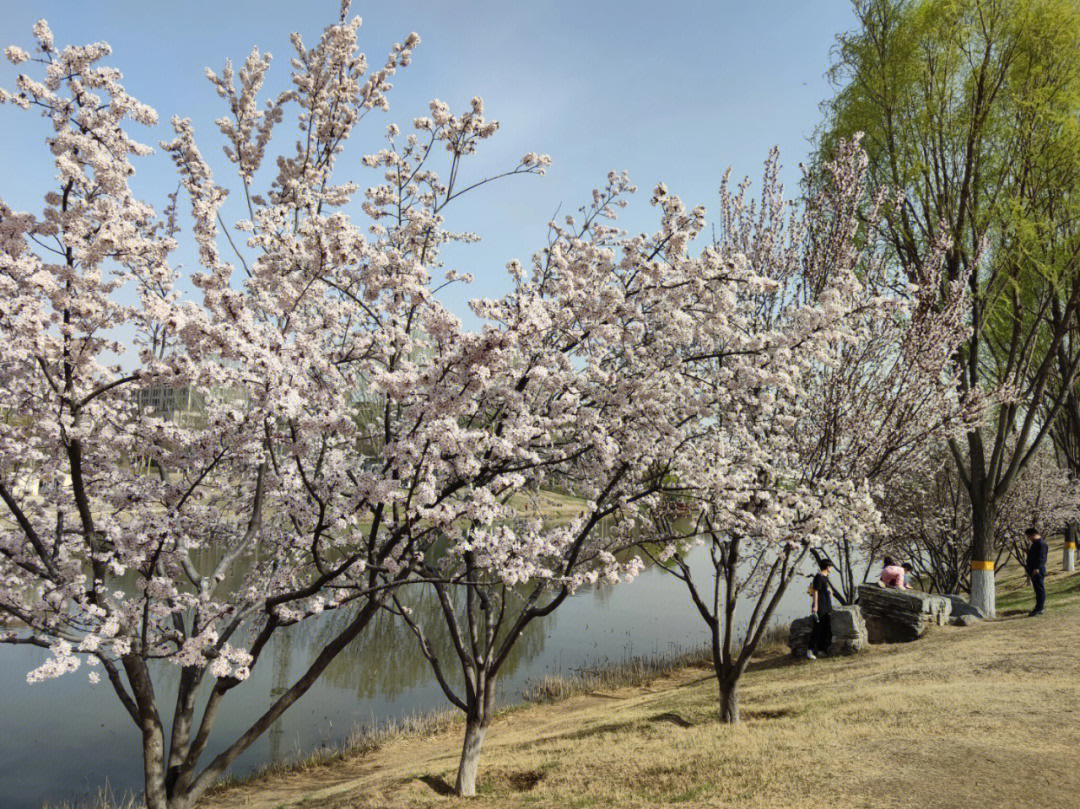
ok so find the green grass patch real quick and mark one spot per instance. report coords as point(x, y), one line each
point(1061, 593)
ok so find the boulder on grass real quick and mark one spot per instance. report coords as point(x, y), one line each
point(848, 633)
point(900, 616)
point(799, 636)
point(964, 620)
point(960, 606)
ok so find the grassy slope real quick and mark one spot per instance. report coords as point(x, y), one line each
point(987, 716)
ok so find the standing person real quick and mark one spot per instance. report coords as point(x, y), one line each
point(821, 635)
point(1036, 568)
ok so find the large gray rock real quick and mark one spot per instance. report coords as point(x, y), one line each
point(848, 633)
point(799, 636)
point(960, 606)
point(899, 616)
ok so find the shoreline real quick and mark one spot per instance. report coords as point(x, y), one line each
point(535, 755)
point(914, 715)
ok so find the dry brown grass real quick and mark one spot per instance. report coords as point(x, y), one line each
point(361, 742)
point(987, 716)
point(104, 799)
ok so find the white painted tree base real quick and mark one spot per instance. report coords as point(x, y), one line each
point(983, 594)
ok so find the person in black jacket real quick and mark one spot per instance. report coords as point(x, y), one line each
point(821, 634)
point(1036, 568)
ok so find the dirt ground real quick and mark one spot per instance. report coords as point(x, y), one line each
point(987, 716)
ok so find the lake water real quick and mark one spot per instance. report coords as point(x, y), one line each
point(64, 739)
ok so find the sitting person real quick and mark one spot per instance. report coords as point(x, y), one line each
point(892, 575)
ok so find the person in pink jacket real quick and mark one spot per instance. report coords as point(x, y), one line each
point(892, 575)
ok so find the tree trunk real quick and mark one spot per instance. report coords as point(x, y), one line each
point(154, 769)
point(156, 794)
point(1068, 556)
point(982, 558)
point(470, 758)
point(729, 702)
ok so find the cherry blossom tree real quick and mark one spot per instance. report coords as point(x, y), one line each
point(642, 372)
point(591, 345)
point(331, 444)
point(1066, 438)
point(832, 377)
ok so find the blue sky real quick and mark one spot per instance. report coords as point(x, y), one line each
point(673, 91)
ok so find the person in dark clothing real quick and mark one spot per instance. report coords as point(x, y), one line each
point(1036, 568)
point(821, 634)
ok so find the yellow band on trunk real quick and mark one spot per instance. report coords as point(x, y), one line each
point(977, 564)
point(1070, 546)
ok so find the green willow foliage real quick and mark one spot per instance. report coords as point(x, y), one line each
point(970, 108)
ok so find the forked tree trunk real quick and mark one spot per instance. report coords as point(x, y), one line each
point(470, 758)
point(168, 787)
point(729, 702)
point(1068, 556)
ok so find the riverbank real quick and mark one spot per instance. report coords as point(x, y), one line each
point(964, 716)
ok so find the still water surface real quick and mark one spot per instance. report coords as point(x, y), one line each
point(64, 739)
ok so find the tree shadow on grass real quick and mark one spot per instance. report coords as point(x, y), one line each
point(1013, 613)
point(599, 730)
point(673, 718)
point(780, 661)
point(525, 780)
point(698, 681)
point(776, 661)
point(576, 735)
point(438, 784)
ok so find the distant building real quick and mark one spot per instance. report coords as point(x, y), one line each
point(169, 402)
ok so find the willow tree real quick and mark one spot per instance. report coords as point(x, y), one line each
point(1066, 424)
point(969, 107)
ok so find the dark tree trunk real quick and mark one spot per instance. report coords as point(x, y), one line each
point(729, 701)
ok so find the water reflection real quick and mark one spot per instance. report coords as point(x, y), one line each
point(386, 661)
